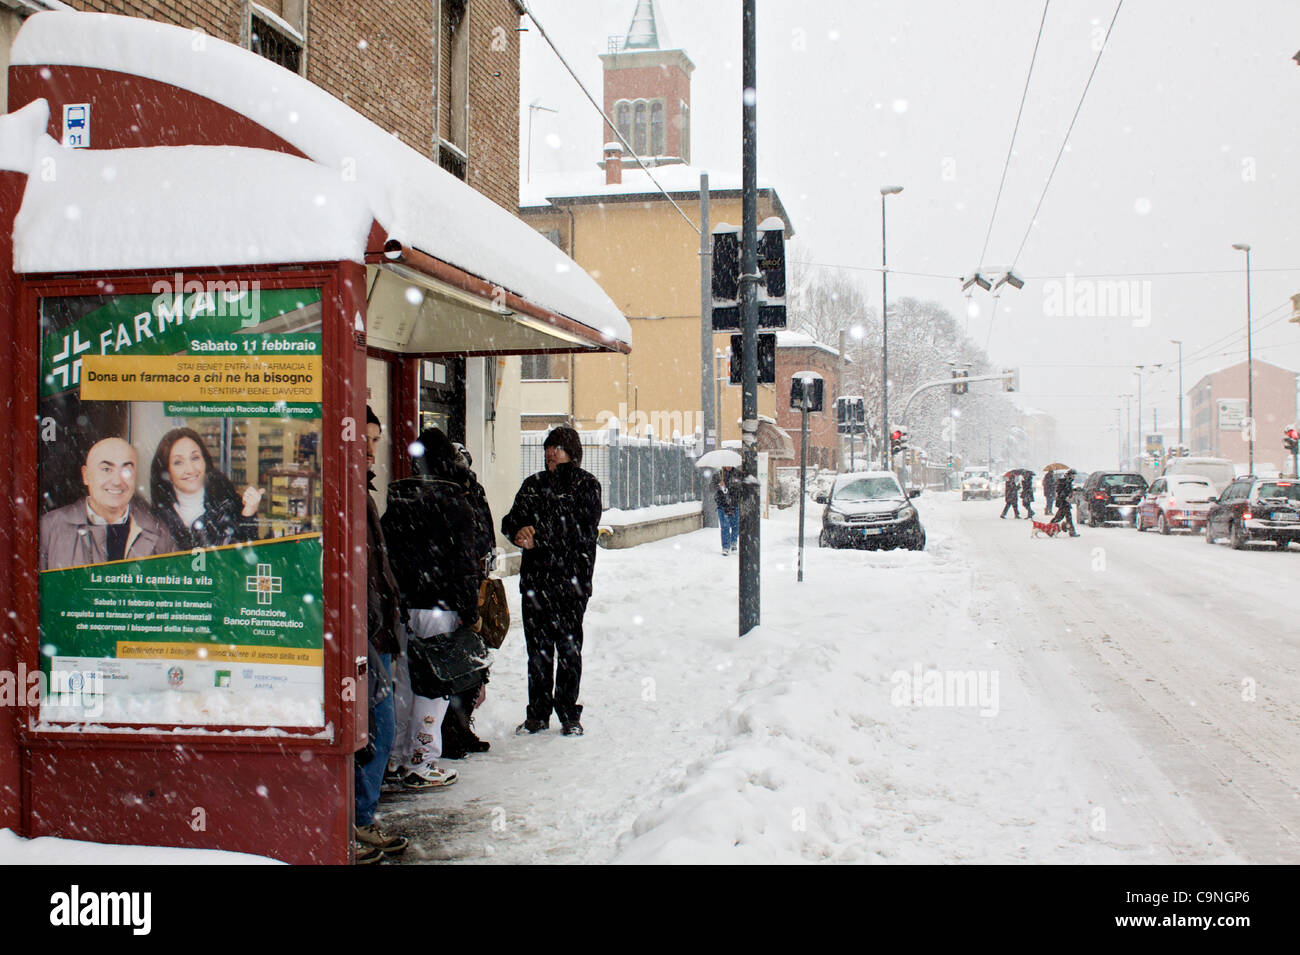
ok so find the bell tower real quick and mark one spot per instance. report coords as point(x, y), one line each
point(647, 92)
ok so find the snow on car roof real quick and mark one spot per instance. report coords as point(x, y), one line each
point(410, 196)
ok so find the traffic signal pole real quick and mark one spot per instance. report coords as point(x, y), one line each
point(749, 278)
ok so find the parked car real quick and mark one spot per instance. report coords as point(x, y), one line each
point(1110, 496)
point(1179, 500)
point(870, 509)
point(1220, 471)
point(976, 483)
point(1256, 509)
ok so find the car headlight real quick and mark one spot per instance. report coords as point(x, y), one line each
point(906, 513)
point(834, 517)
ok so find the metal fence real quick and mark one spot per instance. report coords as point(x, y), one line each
point(633, 472)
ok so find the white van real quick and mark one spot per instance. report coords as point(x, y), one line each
point(1220, 471)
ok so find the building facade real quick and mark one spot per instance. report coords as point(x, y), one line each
point(1217, 409)
point(796, 352)
point(615, 223)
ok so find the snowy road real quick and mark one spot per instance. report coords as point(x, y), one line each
point(993, 699)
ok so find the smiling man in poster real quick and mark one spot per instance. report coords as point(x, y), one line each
point(110, 522)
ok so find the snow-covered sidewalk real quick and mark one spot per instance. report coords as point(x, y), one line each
point(873, 717)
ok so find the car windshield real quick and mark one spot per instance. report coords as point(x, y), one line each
point(1279, 490)
point(868, 489)
point(1123, 480)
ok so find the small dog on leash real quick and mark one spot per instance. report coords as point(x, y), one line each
point(1041, 528)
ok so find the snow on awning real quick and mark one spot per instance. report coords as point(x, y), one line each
point(416, 202)
point(178, 206)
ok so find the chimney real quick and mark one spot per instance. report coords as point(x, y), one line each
point(613, 164)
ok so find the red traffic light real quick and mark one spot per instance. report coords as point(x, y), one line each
point(1293, 434)
point(896, 435)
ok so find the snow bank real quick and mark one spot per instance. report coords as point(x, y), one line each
point(47, 850)
point(416, 201)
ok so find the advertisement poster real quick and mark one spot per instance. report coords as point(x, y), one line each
point(1232, 412)
point(178, 466)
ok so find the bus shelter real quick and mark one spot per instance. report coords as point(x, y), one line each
point(208, 266)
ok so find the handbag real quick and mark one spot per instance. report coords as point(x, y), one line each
point(446, 664)
point(494, 611)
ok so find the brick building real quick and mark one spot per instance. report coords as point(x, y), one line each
point(1217, 405)
point(377, 58)
point(796, 352)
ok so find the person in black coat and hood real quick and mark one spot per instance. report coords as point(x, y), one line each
point(1064, 489)
point(1027, 494)
point(431, 534)
point(1011, 495)
point(555, 520)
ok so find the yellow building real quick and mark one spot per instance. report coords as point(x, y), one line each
point(615, 223)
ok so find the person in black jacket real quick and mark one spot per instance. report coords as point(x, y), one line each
point(727, 498)
point(1011, 495)
point(383, 619)
point(1027, 494)
point(430, 529)
point(554, 520)
point(1064, 489)
point(1049, 491)
point(196, 501)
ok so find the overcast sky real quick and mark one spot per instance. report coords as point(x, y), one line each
point(1186, 143)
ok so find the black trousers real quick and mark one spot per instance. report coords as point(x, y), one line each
point(1063, 516)
point(1011, 506)
point(553, 637)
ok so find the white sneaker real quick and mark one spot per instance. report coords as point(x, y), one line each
point(429, 777)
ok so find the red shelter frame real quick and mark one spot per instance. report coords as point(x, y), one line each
point(217, 786)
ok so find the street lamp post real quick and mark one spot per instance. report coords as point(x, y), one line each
point(1140, 451)
point(884, 330)
point(1250, 362)
point(1174, 341)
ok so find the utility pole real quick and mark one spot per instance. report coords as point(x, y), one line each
point(712, 432)
point(750, 528)
point(1174, 341)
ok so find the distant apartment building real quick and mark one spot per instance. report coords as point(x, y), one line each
point(1218, 412)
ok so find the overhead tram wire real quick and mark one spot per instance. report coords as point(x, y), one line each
point(1006, 165)
point(585, 92)
point(1061, 152)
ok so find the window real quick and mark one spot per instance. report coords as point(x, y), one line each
point(541, 368)
point(686, 133)
point(657, 147)
point(452, 89)
point(275, 38)
point(623, 120)
point(639, 129)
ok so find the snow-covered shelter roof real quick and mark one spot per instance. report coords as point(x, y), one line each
point(113, 209)
point(415, 201)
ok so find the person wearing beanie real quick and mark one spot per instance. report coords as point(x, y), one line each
point(554, 520)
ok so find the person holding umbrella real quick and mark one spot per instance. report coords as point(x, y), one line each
point(1064, 488)
point(1010, 494)
point(1027, 492)
point(726, 494)
point(1049, 490)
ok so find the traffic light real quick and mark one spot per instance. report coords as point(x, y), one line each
point(1291, 440)
point(850, 414)
point(959, 385)
point(1011, 383)
point(897, 441)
